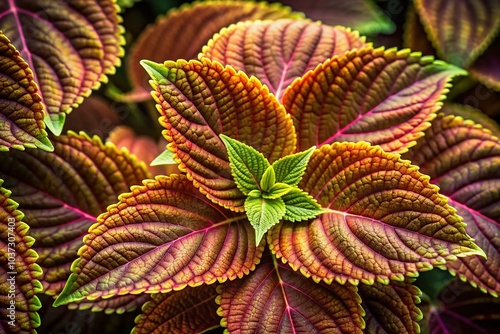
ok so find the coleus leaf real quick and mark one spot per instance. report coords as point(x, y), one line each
point(21, 111)
point(391, 308)
point(19, 286)
point(463, 309)
point(264, 213)
point(199, 101)
point(385, 219)
point(361, 15)
point(276, 299)
point(486, 68)
point(170, 237)
point(277, 52)
point(247, 164)
point(205, 19)
point(462, 158)
point(268, 179)
point(115, 304)
point(469, 113)
point(385, 97)
point(69, 45)
point(460, 30)
point(300, 206)
point(290, 169)
point(61, 194)
point(190, 310)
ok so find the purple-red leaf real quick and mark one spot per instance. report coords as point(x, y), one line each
point(199, 101)
point(386, 220)
point(391, 308)
point(61, 194)
point(191, 310)
point(460, 30)
point(276, 299)
point(163, 236)
point(21, 113)
point(463, 159)
point(180, 40)
point(69, 45)
point(19, 272)
point(385, 97)
point(277, 52)
point(486, 68)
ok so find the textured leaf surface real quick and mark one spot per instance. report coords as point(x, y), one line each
point(460, 30)
point(164, 235)
point(191, 310)
point(115, 304)
point(473, 114)
point(461, 309)
point(414, 35)
point(21, 111)
point(385, 221)
point(361, 15)
point(61, 194)
point(290, 169)
point(300, 206)
point(277, 52)
point(385, 97)
point(69, 45)
point(391, 308)
point(19, 272)
point(199, 101)
point(463, 160)
point(205, 19)
point(275, 299)
point(264, 213)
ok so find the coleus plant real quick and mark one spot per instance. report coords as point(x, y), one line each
point(187, 236)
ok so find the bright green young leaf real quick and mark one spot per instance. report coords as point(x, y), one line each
point(277, 190)
point(264, 213)
point(290, 169)
point(268, 179)
point(247, 164)
point(276, 299)
point(190, 310)
point(198, 101)
point(300, 206)
point(61, 194)
point(165, 158)
point(71, 46)
point(20, 107)
point(19, 284)
point(166, 235)
point(385, 219)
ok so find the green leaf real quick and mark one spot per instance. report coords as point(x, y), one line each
point(71, 47)
point(290, 169)
point(163, 236)
point(268, 179)
point(247, 164)
point(300, 206)
point(279, 189)
point(264, 213)
point(165, 158)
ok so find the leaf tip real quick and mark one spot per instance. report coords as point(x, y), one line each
point(156, 71)
point(45, 144)
point(55, 123)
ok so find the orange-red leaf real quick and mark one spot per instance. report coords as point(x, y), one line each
point(385, 97)
point(184, 31)
point(199, 101)
point(276, 299)
point(386, 220)
point(19, 272)
point(115, 304)
point(21, 112)
point(163, 236)
point(62, 193)
point(277, 52)
point(191, 310)
point(69, 45)
point(463, 159)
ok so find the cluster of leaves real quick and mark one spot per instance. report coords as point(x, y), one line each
point(312, 175)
